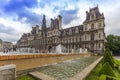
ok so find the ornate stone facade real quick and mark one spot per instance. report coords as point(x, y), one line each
point(89, 35)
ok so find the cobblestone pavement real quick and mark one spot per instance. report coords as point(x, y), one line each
point(67, 69)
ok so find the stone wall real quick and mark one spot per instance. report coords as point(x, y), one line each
point(24, 62)
point(8, 72)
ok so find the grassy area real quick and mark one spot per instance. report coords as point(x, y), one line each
point(25, 77)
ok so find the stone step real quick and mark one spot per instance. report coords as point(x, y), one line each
point(41, 76)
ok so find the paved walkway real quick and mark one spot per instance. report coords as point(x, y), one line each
point(86, 71)
point(117, 57)
point(41, 76)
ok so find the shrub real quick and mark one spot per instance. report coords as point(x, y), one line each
point(106, 77)
point(107, 70)
point(102, 77)
point(108, 58)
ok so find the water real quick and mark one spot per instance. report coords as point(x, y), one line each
point(60, 48)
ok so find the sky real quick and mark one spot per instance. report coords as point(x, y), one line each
point(18, 16)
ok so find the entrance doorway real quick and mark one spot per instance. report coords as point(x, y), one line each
point(49, 48)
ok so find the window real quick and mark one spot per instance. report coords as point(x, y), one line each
point(92, 36)
point(77, 30)
point(85, 37)
point(99, 24)
point(99, 35)
point(92, 45)
point(85, 27)
point(99, 45)
point(80, 39)
point(85, 45)
point(92, 26)
point(70, 31)
point(92, 16)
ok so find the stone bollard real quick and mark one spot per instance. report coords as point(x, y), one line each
point(8, 72)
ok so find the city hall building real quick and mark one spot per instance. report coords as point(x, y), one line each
point(89, 35)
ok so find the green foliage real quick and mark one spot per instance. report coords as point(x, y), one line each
point(106, 77)
point(102, 77)
point(116, 63)
point(113, 43)
point(25, 77)
point(108, 58)
point(107, 70)
point(94, 75)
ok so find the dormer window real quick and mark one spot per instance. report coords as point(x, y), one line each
point(77, 30)
point(70, 32)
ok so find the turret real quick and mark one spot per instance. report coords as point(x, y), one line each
point(44, 29)
point(60, 22)
point(44, 23)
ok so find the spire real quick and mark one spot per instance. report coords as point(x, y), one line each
point(43, 23)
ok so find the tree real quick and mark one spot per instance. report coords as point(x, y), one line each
point(113, 43)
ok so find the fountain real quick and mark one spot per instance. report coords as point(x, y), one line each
point(60, 48)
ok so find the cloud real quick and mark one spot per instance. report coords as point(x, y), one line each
point(13, 28)
point(18, 16)
point(68, 15)
point(112, 18)
point(4, 29)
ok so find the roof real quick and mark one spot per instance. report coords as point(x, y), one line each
point(74, 27)
point(80, 27)
point(97, 13)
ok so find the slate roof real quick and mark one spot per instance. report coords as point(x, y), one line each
point(80, 27)
point(97, 13)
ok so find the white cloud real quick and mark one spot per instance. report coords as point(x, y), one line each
point(16, 25)
point(19, 28)
point(9, 37)
point(112, 18)
point(109, 8)
point(47, 10)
